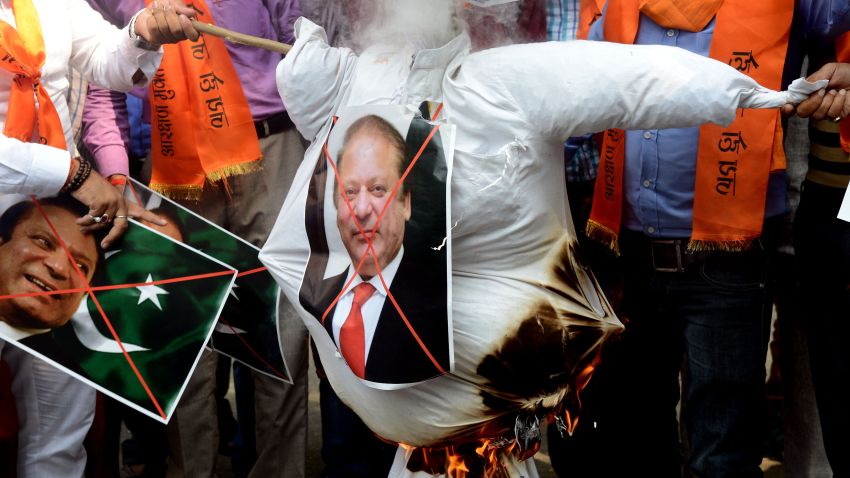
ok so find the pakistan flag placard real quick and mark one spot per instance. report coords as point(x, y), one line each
point(247, 329)
point(131, 321)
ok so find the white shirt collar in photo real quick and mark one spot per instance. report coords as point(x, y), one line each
point(371, 309)
point(18, 333)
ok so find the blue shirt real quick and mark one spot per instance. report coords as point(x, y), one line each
point(561, 19)
point(660, 166)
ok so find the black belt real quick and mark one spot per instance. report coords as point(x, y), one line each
point(661, 255)
point(273, 124)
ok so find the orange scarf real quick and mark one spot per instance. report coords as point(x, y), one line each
point(201, 126)
point(688, 15)
point(842, 54)
point(733, 163)
point(589, 12)
point(23, 56)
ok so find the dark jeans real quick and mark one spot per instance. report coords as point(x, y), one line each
point(711, 322)
point(349, 448)
point(823, 250)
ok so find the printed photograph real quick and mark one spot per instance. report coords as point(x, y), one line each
point(247, 330)
point(378, 277)
point(131, 321)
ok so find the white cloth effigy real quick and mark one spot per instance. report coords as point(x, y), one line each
point(527, 314)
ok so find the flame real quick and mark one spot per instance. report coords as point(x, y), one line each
point(492, 451)
point(484, 457)
point(570, 421)
point(584, 376)
point(457, 467)
point(488, 452)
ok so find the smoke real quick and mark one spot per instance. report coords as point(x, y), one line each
point(427, 23)
point(419, 23)
point(495, 25)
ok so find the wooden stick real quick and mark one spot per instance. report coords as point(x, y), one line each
point(241, 38)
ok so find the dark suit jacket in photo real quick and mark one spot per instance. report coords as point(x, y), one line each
point(45, 343)
point(395, 357)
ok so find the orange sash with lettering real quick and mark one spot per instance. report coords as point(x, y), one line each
point(733, 162)
point(23, 55)
point(201, 126)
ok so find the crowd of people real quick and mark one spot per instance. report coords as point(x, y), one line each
point(681, 392)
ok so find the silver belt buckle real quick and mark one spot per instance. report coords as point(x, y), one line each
point(678, 248)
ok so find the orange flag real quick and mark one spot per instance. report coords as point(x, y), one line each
point(201, 126)
point(733, 162)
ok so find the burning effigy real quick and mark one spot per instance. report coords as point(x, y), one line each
point(431, 203)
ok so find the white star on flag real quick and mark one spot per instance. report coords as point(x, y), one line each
point(151, 293)
point(233, 291)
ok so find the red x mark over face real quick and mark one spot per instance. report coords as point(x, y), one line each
point(66, 276)
point(87, 287)
point(378, 243)
point(221, 319)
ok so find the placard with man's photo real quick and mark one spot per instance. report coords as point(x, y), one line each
point(377, 220)
point(130, 321)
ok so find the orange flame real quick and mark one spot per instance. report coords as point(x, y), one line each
point(458, 461)
point(457, 468)
point(570, 421)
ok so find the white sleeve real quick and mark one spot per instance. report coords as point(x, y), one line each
point(563, 89)
point(31, 168)
point(105, 55)
point(311, 77)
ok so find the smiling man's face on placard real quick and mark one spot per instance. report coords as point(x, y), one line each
point(370, 167)
point(34, 261)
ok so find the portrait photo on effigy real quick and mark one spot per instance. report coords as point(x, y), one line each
point(377, 220)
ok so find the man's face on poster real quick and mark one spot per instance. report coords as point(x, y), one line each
point(369, 171)
point(34, 261)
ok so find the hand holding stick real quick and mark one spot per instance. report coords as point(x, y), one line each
point(241, 38)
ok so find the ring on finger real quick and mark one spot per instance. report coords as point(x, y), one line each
point(100, 219)
point(836, 119)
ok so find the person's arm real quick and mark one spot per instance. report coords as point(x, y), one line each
point(573, 88)
point(106, 131)
point(106, 134)
point(311, 76)
point(32, 169)
point(832, 102)
point(284, 13)
point(39, 170)
point(109, 57)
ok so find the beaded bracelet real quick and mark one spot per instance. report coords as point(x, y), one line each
point(83, 172)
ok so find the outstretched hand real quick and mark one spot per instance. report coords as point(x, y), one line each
point(166, 21)
point(832, 102)
point(107, 208)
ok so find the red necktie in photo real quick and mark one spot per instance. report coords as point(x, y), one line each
point(352, 337)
